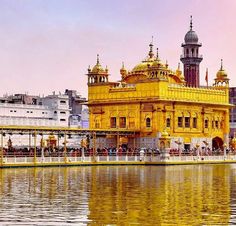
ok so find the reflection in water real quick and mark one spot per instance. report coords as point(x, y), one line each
point(150, 195)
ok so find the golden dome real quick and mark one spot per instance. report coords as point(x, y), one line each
point(221, 74)
point(157, 63)
point(143, 66)
point(97, 68)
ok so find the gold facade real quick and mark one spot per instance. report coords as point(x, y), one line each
point(152, 98)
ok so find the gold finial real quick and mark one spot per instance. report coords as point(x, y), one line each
point(221, 64)
point(123, 65)
point(179, 66)
point(191, 23)
point(123, 71)
point(97, 59)
point(89, 69)
point(166, 64)
point(150, 51)
point(157, 54)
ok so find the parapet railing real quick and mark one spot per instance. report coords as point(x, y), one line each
point(118, 158)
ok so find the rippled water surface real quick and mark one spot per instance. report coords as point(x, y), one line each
point(119, 195)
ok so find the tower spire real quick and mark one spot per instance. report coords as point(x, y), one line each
point(97, 59)
point(157, 54)
point(150, 51)
point(191, 23)
point(221, 64)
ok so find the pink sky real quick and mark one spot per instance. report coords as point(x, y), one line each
point(47, 46)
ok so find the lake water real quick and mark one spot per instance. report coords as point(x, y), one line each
point(119, 195)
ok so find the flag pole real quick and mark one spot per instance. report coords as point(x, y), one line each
point(206, 78)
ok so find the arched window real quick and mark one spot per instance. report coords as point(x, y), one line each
point(187, 52)
point(148, 122)
point(168, 122)
point(192, 52)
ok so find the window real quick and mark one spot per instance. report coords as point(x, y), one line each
point(148, 122)
point(62, 120)
point(194, 122)
point(180, 122)
point(97, 124)
point(122, 122)
point(63, 112)
point(113, 122)
point(217, 124)
point(62, 102)
point(187, 122)
point(55, 112)
point(168, 122)
point(206, 123)
point(42, 112)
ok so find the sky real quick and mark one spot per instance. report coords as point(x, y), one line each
point(47, 45)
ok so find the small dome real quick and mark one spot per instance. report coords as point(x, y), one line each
point(191, 37)
point(97, 68)
point(143, 66)
point(221, 74)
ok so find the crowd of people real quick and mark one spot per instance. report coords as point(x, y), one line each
point(112, 151)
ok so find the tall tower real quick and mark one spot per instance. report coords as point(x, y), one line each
point(190, 58)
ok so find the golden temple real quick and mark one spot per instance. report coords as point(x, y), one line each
point(152, 98)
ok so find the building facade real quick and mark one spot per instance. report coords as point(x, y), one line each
point(232, 99)
point(52, 110)
point(152, 98)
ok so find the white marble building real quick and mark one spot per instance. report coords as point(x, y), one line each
point(53, 110)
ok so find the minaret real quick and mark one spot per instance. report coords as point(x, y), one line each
point(190, 58)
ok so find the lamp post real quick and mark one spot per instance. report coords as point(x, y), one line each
point(178, 142)
point(42, 148)
point(65, 149)
point(225, 146)
point(197, 147)
point(2, 148)
point(35, 151)
point(206, 145)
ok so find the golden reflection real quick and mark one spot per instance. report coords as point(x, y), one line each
point(122, 195)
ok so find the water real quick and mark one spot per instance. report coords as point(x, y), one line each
point(119, 195)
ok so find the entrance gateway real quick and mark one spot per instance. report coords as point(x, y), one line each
point(217, 143)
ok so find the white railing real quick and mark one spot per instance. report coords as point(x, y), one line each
point(122, 159)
